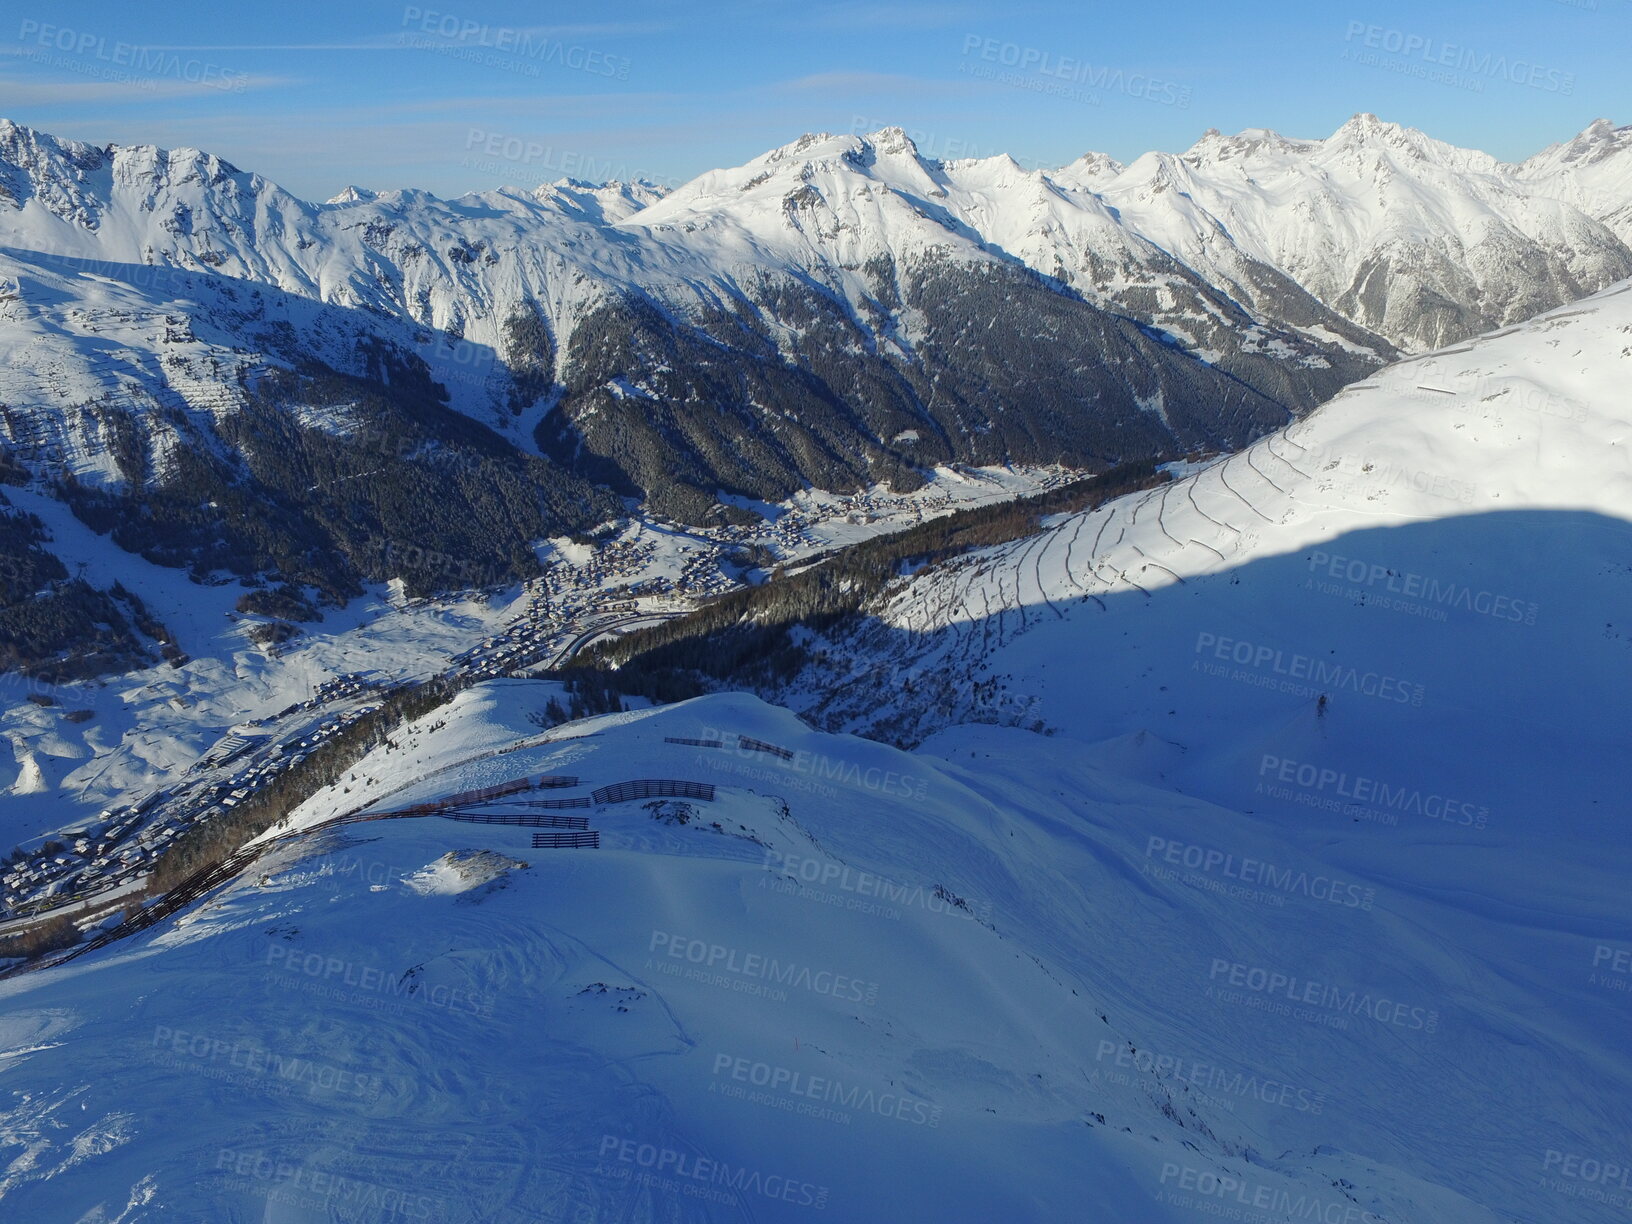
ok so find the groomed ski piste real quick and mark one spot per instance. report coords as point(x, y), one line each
point(1213, 949)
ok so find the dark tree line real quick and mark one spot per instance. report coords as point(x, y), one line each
point(206, 844)
point(746, 638)
point(59, 627)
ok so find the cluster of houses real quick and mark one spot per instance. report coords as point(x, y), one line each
point(123, 842)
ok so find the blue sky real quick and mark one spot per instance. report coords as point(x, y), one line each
point(460, 96)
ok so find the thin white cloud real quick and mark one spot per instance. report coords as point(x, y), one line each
point(135, 89)
point(345, 46)
point(859, 15)
point(487, 36)
point(886, 82)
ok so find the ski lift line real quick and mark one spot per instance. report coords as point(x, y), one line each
point(1044, 540)
point(1116, 577)
point(1076, 534)
point(1138, 504)
point(1018, 603)
point(1287, 434)
point(1093, 551)
point(1168, 572)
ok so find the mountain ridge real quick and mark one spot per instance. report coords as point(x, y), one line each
point(837, 313)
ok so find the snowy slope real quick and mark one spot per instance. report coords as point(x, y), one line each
point(822, 206)
point(1295, 233)
point(364, 1025)
point(1203, 295)
point(1221, 948)
point(1593, 171)
point(407, 254)
point(856, 203)
point(164, 347)
point(1415, 239)
point(1455, 526)
point(631, 353)
point(149, 726)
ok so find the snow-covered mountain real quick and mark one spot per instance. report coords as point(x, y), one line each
point(859, 204)
point(1433, 552)
point(838, 313)
point(1379, 649)
point(974, 982)
point(176, 325)
point(1255, 849)
point(1592, 171)
point(1415, 239)
point(774, 277)
point(1298, 893)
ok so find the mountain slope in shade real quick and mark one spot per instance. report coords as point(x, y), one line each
point(1456, 510)
point(1261, 848)
point(1387, 636)
point(982, 1013)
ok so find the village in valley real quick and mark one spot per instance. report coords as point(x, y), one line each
point(632, 573)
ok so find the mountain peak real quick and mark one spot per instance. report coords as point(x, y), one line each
point(352, 195)
point(891, 140)
point(1366, 125)
point(1090, 168)
point(1365, 131)
point(805, 146)
point(1599, 139)
point(1214, 146)
point(17, 136)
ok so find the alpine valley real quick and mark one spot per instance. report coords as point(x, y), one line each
point(224, 379)
point(865, 685)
